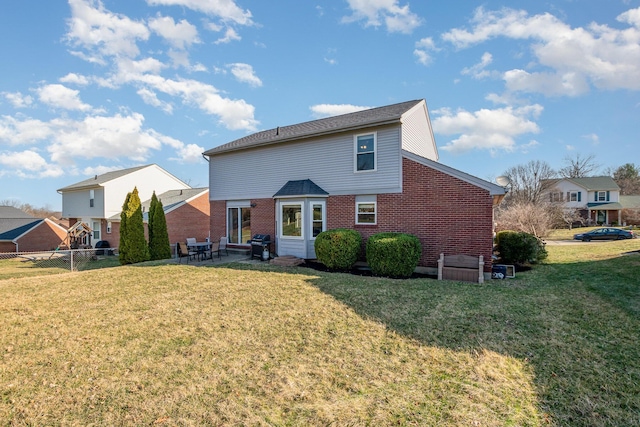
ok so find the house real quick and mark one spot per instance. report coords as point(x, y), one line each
point(597, 199)
point(21, 232)
point(97, 201)
point(374, 170)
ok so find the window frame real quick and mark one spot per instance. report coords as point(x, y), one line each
point(96, 234)
point(312, 220)
point(239, 206)
point(375, 212)
point(601, 196)
point(374, 152)
point(281, 207)
point(92, 196)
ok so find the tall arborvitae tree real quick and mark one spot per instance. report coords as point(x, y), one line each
point(159, 246)
point(122, 248)
point(137, 249)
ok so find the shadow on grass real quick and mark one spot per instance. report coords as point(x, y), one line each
point(575, 324)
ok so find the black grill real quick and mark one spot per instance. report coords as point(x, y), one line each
point(258, 244)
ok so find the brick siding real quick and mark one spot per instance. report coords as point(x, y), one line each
point(44, 237)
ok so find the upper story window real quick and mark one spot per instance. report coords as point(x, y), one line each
point(574, 196)
point(555, 196)
point(365, 149)
point(91, 198)
point(601, 196)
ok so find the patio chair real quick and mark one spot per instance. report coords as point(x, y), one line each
point(215, 249)
point(223, 245)
point(183, 251)
point(191, 241)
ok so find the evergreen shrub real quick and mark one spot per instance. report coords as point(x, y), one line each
point(339, 248)
point(393, 254)
point(518, 247)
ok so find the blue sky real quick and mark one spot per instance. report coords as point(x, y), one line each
point(92, 86)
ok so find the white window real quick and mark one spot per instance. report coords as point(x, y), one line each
point(109, 227)
point(366, 210)
point(365, 152)
point(91, 198)
point(574, 196)
point(96, 230)
point(555, 196)
point(318, 221)
point(291, 220)
point(601, 196)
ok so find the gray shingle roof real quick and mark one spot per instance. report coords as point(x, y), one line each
point(304, 187)
point(360, 119)
point(596, 183)
point(171, 199)
point(630, 202)
point(15, 232)
point(13, 213)
point(101, 179)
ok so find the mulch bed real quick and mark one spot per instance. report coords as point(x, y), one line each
point(360, 271)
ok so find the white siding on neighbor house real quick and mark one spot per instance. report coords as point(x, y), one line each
point(614, 196)
point(328, 161)
point(586, 196)
point(417, 136)
point(146, 180)
point(75, 204)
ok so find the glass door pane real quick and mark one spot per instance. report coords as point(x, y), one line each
point(232, 225)
point(245, 231)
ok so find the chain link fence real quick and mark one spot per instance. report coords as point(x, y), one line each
point(65, 260)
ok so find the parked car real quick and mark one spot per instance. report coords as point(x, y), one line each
point(605, 233)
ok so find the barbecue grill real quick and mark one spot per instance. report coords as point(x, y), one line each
point(261, 243)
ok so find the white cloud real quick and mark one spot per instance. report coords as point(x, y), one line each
point(179, 35)
point(327, 110)
point(244, 73)
point(74, 78)
point(227, 10)
point(423, 47)
point(18, 100)
point(594, 138)
point(229, 35)
point(103, 33)
point(478, 71)
point(57, 95)
point(604, 57)
point(28, 164)
point(486, 129)
point(389, 13)
point(151, 98)
point(27, 131)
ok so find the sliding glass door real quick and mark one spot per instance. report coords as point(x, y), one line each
point(239, 224)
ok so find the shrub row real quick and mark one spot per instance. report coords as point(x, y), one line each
point(388, 254)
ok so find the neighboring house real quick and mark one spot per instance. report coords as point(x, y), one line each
point(372, 171)
point(21, 232)
point(596, 198)
point(186, 212)
point(97, 200)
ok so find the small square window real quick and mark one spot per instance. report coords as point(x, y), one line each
point(366, 213)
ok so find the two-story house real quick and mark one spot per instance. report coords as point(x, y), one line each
point(374, 170)
point(596, 198)
point(97, 201)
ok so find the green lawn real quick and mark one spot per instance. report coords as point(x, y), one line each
point(249, 344)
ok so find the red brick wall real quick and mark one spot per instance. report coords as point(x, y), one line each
point(190, 220)
point(447, 214)
point(7, 247)
point(262, 218)
point(44, 237)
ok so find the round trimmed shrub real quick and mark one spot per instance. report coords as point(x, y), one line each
point(518, 247)
point(393, 254)
point(338, 249)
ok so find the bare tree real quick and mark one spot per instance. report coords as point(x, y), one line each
point(578, 166)
point(532, 218)
point(43, 212)
point(627, 177)
point(528, 182)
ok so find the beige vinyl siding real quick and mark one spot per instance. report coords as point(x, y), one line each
point(327, 161)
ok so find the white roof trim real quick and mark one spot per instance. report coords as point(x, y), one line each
point(493, 189)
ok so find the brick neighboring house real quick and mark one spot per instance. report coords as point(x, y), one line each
point(372, 171)
point(186, 212)
point(21, 232)
point(97, 202)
